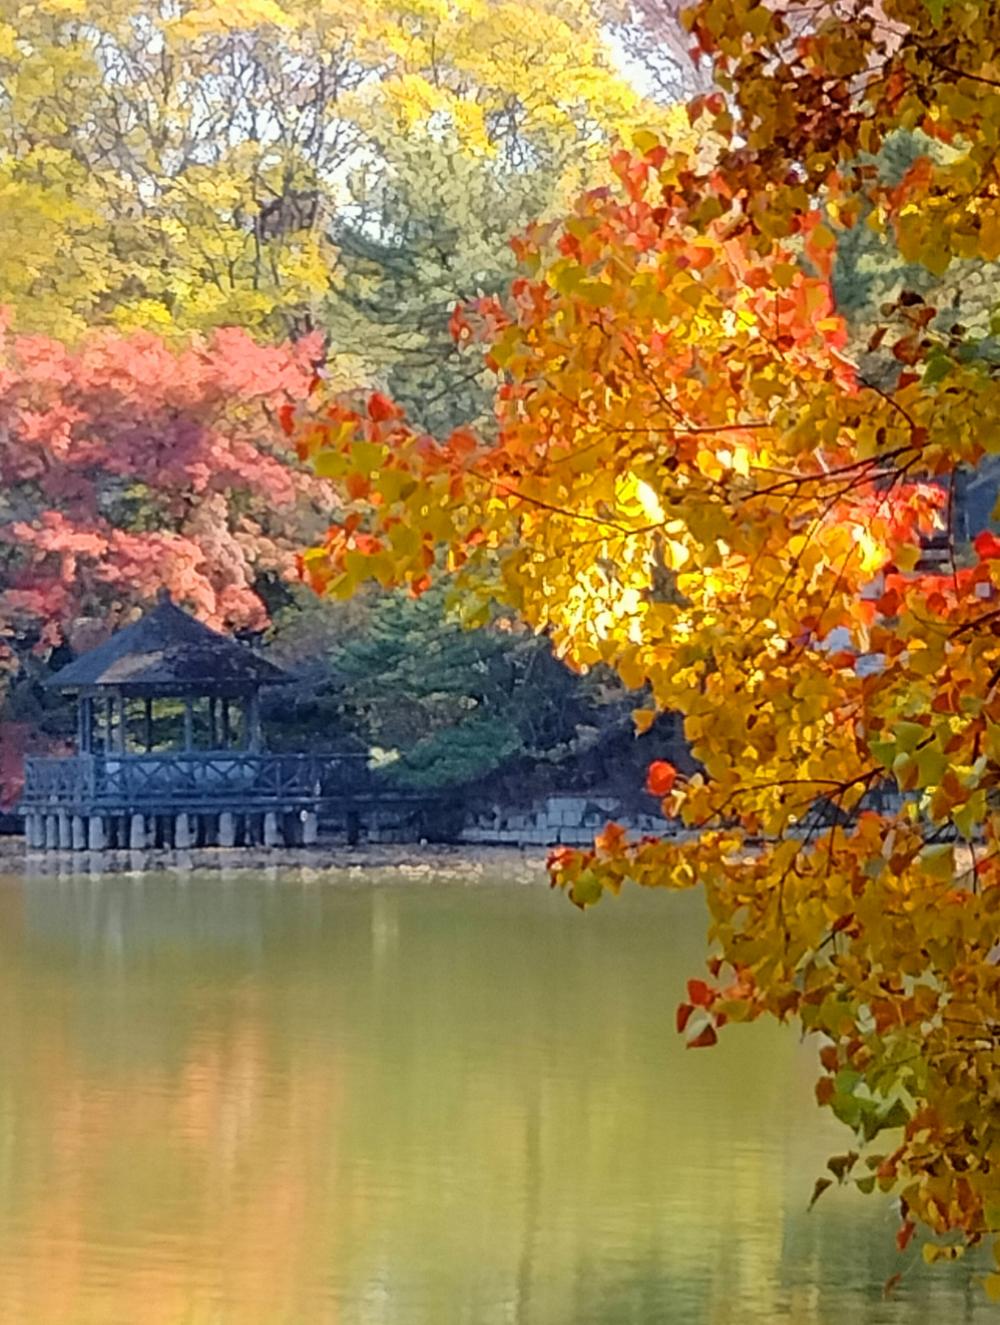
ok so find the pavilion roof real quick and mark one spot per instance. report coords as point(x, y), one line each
point(169, 652)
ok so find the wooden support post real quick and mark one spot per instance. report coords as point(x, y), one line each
point(272, 832)
point(227, 829)
point(212, 724)
point(188, 723)
point(225, 724)
point(182, 833)
point(310, 828)
point(148, 725)
point(137, 833)
point(109, 725)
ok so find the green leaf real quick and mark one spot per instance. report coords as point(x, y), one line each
point(586, 890)
point(938, 861)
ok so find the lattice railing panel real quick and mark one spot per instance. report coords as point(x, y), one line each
point(193, 780)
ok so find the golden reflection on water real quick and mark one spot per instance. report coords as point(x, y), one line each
point(266, 1101)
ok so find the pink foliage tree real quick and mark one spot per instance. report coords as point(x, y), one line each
point(126, 464)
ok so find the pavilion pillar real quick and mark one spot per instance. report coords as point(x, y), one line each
point(83, 724)
point(188, 723)
point(65, 831)
point(109, 725)
point(122, 724)
point(253, 721)
point(148, 726)
point(79, 833)
point(212, 723)
point(226, 734)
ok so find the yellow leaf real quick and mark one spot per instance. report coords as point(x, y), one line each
point(643, 719)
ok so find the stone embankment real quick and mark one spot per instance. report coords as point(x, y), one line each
point(570, 819)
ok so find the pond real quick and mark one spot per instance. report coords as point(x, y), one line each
point(287, 1100)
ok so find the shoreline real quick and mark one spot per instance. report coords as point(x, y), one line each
point(521, 865)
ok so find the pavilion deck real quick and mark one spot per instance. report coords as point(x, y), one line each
point(180, 799)
point(191, 781)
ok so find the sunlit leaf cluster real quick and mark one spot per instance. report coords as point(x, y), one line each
point(693, 481)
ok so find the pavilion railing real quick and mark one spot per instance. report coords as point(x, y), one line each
point(196, 780)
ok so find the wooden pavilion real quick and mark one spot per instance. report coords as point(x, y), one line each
point(170, 751)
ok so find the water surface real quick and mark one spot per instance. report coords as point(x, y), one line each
point(279, 1101)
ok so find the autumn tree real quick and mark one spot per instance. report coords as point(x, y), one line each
point(693, 481)
point(179, 166)
point(126, 465)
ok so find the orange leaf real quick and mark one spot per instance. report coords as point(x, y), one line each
point(889, 1287)
point(611, 839)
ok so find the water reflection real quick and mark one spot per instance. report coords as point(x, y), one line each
point(272, 1100)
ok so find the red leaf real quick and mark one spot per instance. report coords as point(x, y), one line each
point(906, 1231)
point(381, 409)
point(829, 1057)
point(660, 777)
point(684, 1011)
point(704, 1040)
point(700, 994)
point(987, 545)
